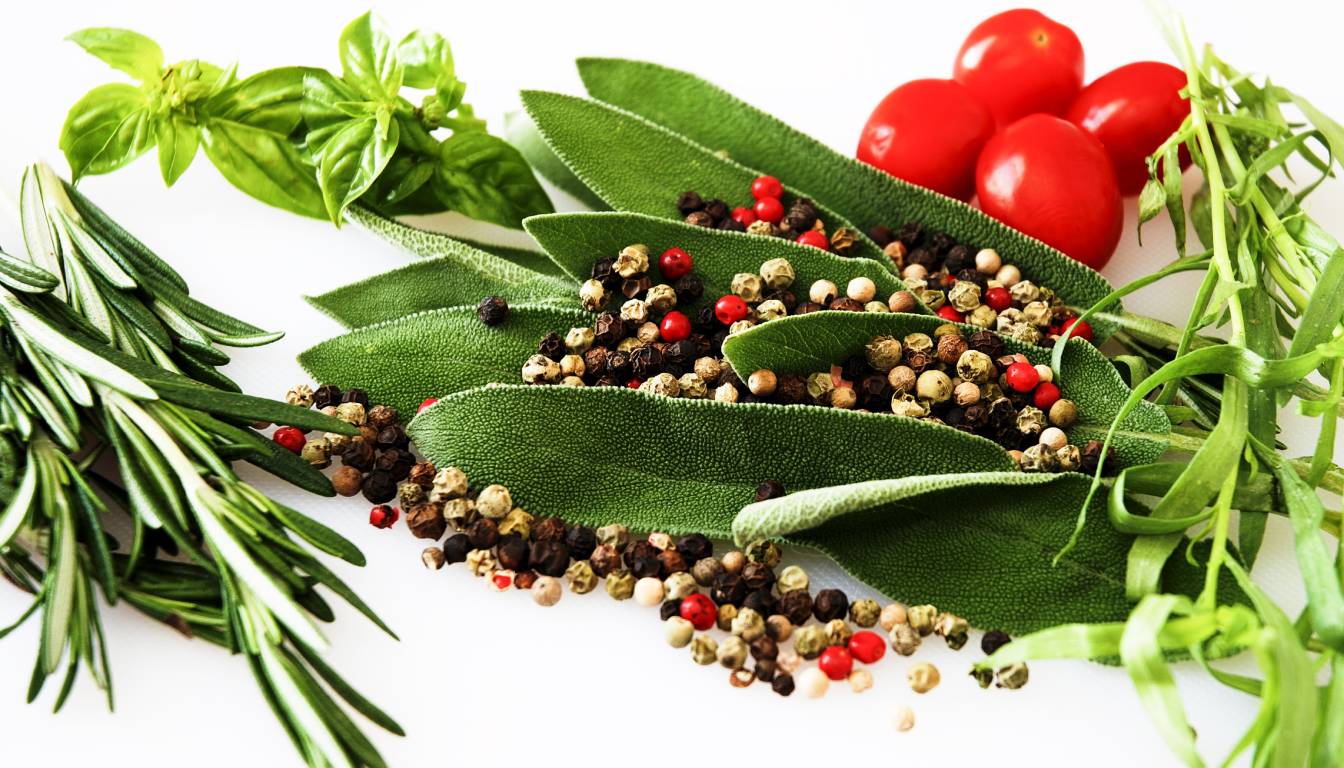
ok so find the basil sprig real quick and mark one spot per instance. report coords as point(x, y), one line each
point(305, 139)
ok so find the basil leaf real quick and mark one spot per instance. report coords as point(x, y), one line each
point(130, 52)
point(265, 166)
point(323, 116)
point(106, 129)
point(404, 176)
point(427, 58)
point(178, 140)
point(350, 162)
point(485, 178)
point(368, 62)
point(271, 100)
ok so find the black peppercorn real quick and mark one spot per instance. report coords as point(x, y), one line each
point(802, 215)
point(1092, 457)
point(731, 225)
point(705, 320)
point(646, 361)
point(393, 436)
point(830, 604)
point(728, 588)
point(550, 557)
point(394, 461)
point(959, 257)
point(875, 392)
point(807, 308)
point(796, 606)
point(791, 389)
point(604, 271)
point(638, 549)
point(552, 346)
point(680, 352)
point(618, 364)
point(379, 487)
point(512, 551)
point(359, 454)
point(646, 566)
point(455, 549)
point(695, 546)
point(483, 533)
point(764, 649)
point(765, 670)
point(782, 684)
point(700, 219)
point(855, 368)
point(609, 330)
point(356, 395)
point(758, 576)
point(594, 363)
point(846, 304)
point(941, 242)
point(689, 202)
point(769, 489)
point(669, 608)
point(525, 579)
point(581, 541)
point(881, 235)
point(762, 601)
point(717, 209)
point(605, 559)
point(973, 275)
point(548, 529)
point(910, 233)
point(326, 395)
point(785, 297)
point(689, 289)
point(636, 286)
point(492, 310)
point(671, 561)
point(993, 641)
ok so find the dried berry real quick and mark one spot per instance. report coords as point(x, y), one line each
point(426, 521)
point(763, 601)
point(492, 310)
point(359, 455)
point(796, 606)
point(706, 570)
point(513, 552)
point(829, 604)
point(695, 547)
point(546, 591)
point(580, 577)
point(757, 575)
point(620, 585)
point(483, 533)
point(379, 487)
point(455, 549)
point(728, 589)
point(355, 395)
point(325, 396)
point(550, 557)
point(669, 608)
point(347, 480)
point(671, 561)
point(993, 640)
point(782, 684)
point(605, 559)
point(548, 529)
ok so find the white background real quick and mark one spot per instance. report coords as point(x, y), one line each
point(492, 678)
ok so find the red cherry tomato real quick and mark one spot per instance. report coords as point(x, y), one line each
point(1019, 62)
point(674, 263)
point(815, 239)
point(766, 186)
point(769, 209)
point(1132, 110)
point(1052, 180)
point(928, 132)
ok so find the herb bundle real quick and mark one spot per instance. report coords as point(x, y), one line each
point(304, 139)
point(103, 353)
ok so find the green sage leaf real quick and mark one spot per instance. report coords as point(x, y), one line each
point(130, 52)
point(368, 60)
point(178, 141)
point(106, 129)
point(351, 160)
point(484, 177)
point(639, 166)
point(522, 133)
point(428, 244)
point(712, 117)
point(264, 165)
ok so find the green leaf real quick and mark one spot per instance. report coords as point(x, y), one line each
point(178, 140)
point(552, 447)
point(427, 59)
point(522, 133)
point(714, 118)
point(351, 161)
point(428, 244)
point(1141, 653)
point(106, 129)
point(814, 342)
point(271, 100)
point(636, 165)
point(368, 61)
point(576, 240)
point(264, 165)
point(431, 354)
point(130, 52)
point(321, 108)
point(484, 177)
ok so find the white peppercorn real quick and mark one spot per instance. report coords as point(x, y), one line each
point(1009, 275)
point(678, 585)
point(732, 652)
point(725, 393)
point(923, 677)
point(692, 386)
point(592, 295)
point(647, 333)
point(635, 311)
point(903, 718)
point(892, 614)
point(494, 502)
point(904, 639)
point(791, 578)
point(664, 384)
point(860, 680)
point(661, 297)
point(632, 260)
point(987, 261)
point(822, 292)
point(449, 483)
point(1054, 438)
point(861, 289)
point(459, 512)
point(812, 682)
point(580, 340)
point(540, 369)
point(649, 591)
point(481, 561)
point(708, 368)
point(770, 309)
point(678, 632)
point(1044, 372)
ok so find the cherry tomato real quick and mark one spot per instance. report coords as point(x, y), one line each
point(1132, 110)
point(1050, 179)
point(928, 132)
point(1019, 62)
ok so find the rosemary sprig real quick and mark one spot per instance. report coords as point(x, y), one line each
point(1273, 277)
point(102, 350)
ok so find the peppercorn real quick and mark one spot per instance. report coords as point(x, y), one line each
point(449, 483)
point(993, 640)
point(829, 604)
point(724, 616)
point(904, 639)
point(481, 562)
point(459, 513)
point(455, 549)
point(492, 310)
point(326, 395)
point(778, 628)
point(500, 580)
point(347, 480)
point(782, 684)
point(548, 529)
point(317, 453)
point(763, 552)
point(704, 650)
point(1012, 677)
point(892, 614)
point(517, 521)
point(426, 521)
point(671, 561)
point(763, 601)
point(549, 557)
point(649, 591)
point(953, 629)
point(733, 561)
point(810, 640)
point(647, 566)
point(483, 534)
point(689, 202)
point(796, 605)
point(546, 591)
point(677, 631)
point(705, 570)
point(732, 652)
point(512, 551)
point(923, 677)
point(605, 559)
point(678, 585)
point(620, 585)
point(433, 558)
point(379, 487)
point(921, 618)
point(409, 494)
point(580, 577)
point(864, 612)
point(837, 632)
point(355, 395)
point(728, 588)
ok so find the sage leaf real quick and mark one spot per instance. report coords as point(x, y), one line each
point(431, 354)
point(814, 342)
point(264, 165)
point(122, 49)
point(368, 61)
point(271, 100)
point(522, 133)
point(712, 117)
point(696, 463)
point(576, 240)
point(351, 160)
point(484, 177)
point(636, 165)
point(428, 244)
point(178, 141)
point(106, 129)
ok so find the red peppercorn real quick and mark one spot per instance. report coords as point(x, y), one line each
point(730, 309)
point(949, 312)
point(383, 516)
point(998, 298)
point(426, 405)
point(674, 263)
point(836, 662)
point(867, 646)
point(769, 209)
point(502, 581)
point(815, 239)
point(675, 327)
point(1081, 328)
point(1022, 377)
point(766, 186)
point(634, 383)
point(949, 281)
point(699, 610)
point(1047, 394)
point(744, 216)
point(290, 438)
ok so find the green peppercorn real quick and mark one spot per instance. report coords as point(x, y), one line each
point(934, 386)
point(581, 577)
point(975, 366)
point(732, 652)
point(765, 552)
point(1038, 458)
point(616, 535)
point(726, 613)
point(678, 585)
point(790, 579)
point(864, 612)
point(983, 676)
point(904, 639)
point(517, 521)
point(317, 452)
point(1024, 292)
point(678, 632)
point(921, 618)
point(748, 625)
point(923, 677)
point(692, 386)
point(1030, 420)
point(838, 632)
point(751, 288)
point(918, 342)
point(810, 640)
point(1013, 676)
point(883, 353)
point(819, 386)
point(620, 585)
point(982, 316)
point(954, 629)
point(770, 309)
point(964, 296)
point(1037, 313)
point(1070, 458)
point(351, 413)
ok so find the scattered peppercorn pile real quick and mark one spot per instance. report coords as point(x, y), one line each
point(958, 282)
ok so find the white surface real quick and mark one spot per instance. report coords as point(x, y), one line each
point(486, 677)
